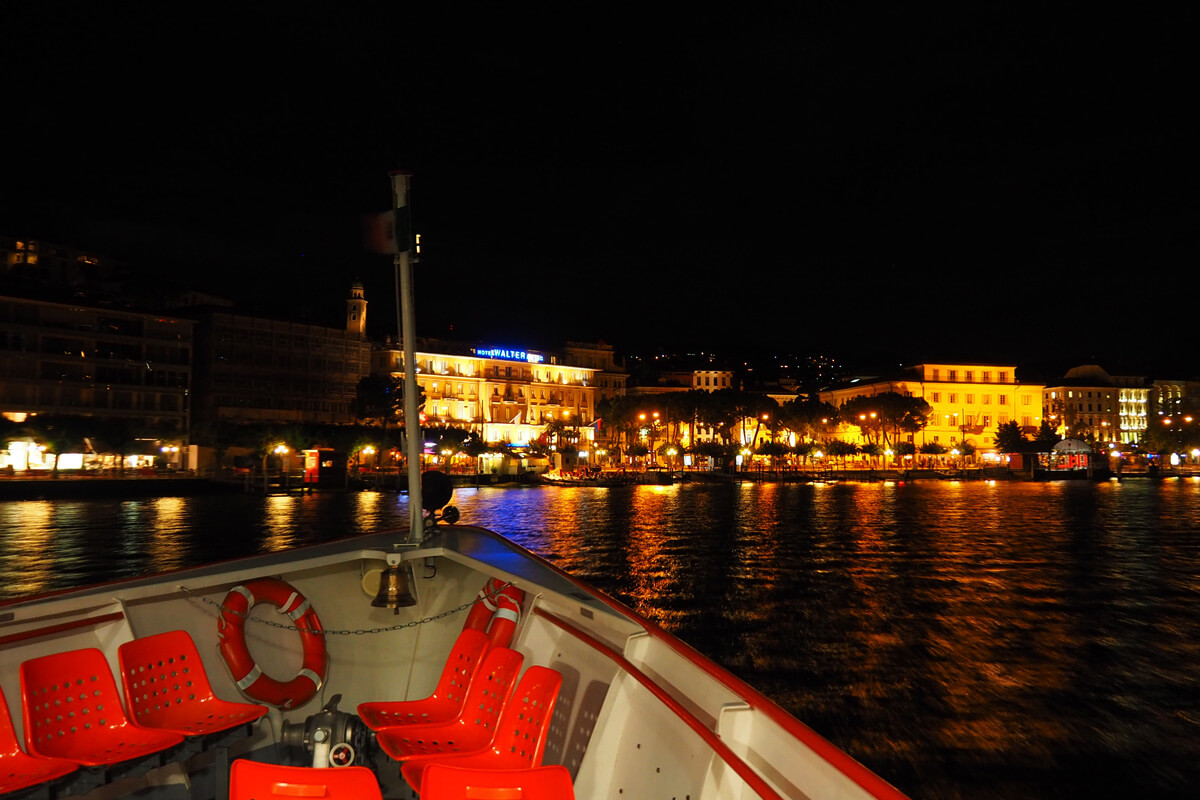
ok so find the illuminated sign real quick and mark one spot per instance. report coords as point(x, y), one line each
point(508, 354)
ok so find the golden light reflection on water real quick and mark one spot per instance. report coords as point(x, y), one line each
point(29, 558)
point(278, 524)
point(368, 508)
point(166, 548)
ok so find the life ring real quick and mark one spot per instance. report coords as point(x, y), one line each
point(250, 678)
point(497, 619)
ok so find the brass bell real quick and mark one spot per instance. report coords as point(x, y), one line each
point(394, 591)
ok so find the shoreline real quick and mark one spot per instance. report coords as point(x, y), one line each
point(76, 488)
point(67, 487)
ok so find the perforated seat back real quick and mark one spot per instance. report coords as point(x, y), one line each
point(18, 769)
point(167, 687)
point(72, 710)
point(446, 701)
point(521, 731)
point(475, 728)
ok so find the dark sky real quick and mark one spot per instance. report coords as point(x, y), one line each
point(829, 180)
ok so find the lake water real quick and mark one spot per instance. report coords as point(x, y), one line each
point(979, 640)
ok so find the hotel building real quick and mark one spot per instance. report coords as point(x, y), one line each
point(1091, 404)
point(969, 401)
point(502, 394)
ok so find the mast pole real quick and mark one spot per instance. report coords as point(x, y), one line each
point(405, 311)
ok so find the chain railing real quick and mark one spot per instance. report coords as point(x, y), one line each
point(345, 632)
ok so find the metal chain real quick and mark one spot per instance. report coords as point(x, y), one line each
point(359, 632)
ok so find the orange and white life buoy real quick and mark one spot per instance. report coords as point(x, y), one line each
point(496, 612)
point(250, 678)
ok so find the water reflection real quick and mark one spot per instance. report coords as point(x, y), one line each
point(963, 640)
point(279, 523)
point(168, 523)
point(28, 546)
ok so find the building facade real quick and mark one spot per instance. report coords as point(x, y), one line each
point(968, 402)
point(505, 395)
point(62, 358)
point(254, 369)
point(30, 262)
point(1093, 405)
point(609, 378)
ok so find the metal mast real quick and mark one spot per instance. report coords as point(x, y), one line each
point(406, 322)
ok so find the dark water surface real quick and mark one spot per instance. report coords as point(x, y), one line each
point(961, 639)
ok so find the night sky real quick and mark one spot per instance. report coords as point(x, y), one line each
point(816, 181)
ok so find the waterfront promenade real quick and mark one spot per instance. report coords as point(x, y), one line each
point(74, 486)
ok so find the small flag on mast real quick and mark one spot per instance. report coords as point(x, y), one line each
point(389, 232)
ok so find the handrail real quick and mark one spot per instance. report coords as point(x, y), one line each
point(744, 770)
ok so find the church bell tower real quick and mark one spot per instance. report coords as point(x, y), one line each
point(356, 310)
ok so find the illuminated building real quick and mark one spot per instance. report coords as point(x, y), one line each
point(63, 358)
point(710, 380)
point(503, 394)
point(969, 402)
point(610, 378)
point(689, 433)
point(1093, 405)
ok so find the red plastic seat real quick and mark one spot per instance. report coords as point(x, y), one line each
point(446, 702)
point(444, 782)
point(521, 732)
point(72, 710)
point(254, 780)
point(166, 688)
point(19, 770)
point(475, 727)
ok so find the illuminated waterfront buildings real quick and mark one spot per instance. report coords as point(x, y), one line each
point(968, 401)
point(1091, 404)
point(502, 394)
